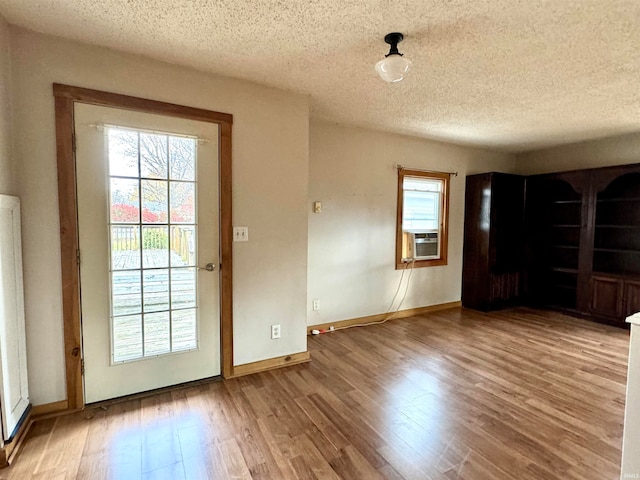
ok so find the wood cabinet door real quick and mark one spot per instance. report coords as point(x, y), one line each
point(631, 297)
point(606, 296)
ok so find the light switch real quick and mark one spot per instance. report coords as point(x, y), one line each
point(317, 207)
point(240, 234)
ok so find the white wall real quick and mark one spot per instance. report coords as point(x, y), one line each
point(352, 242)
point(270, 178)
point(6, 169)
point(619, 150)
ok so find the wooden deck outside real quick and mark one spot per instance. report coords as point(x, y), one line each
point(160, 334)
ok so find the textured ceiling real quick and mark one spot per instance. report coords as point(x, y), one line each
point(507, 74)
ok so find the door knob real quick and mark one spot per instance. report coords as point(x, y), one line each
point(209, 267)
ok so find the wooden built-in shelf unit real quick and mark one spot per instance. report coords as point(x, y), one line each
point(581, 241)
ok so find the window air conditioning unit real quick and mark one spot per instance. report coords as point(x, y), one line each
point(420, 245)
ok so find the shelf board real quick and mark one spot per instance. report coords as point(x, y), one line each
point(621, 199)
point(627, 274)
point(565, 225)
point(618, 226)
point(617, 250)
point(564, 270)
point(572, 247)
point(622, 276)
point(570, 202)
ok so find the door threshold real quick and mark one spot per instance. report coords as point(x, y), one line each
point(104, 404)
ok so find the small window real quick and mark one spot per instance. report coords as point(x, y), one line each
point(421, 230)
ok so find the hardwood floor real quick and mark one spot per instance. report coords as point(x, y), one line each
point(456, 394)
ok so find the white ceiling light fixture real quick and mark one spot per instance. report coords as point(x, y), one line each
point(394, 66)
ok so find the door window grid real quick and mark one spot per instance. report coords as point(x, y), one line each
point(152, 236)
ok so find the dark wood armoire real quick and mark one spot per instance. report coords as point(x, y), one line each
point(493, 256)
point(578, 249)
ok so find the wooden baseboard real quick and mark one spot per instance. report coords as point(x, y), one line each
point(47, 409)
point(37, 412)
point(381, 316)
point(9, 451)
point(270, 364)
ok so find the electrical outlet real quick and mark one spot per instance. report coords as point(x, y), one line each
point(316, 305)
point(275, 331)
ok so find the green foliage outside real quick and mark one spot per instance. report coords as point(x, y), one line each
point(152, 239)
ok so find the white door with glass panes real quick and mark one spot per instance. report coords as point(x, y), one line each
point(147, 189)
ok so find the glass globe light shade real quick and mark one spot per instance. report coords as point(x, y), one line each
point(393, 68)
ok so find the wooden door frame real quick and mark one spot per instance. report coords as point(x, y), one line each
point(65, 98)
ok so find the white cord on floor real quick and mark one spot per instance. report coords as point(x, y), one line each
point(389, 314)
